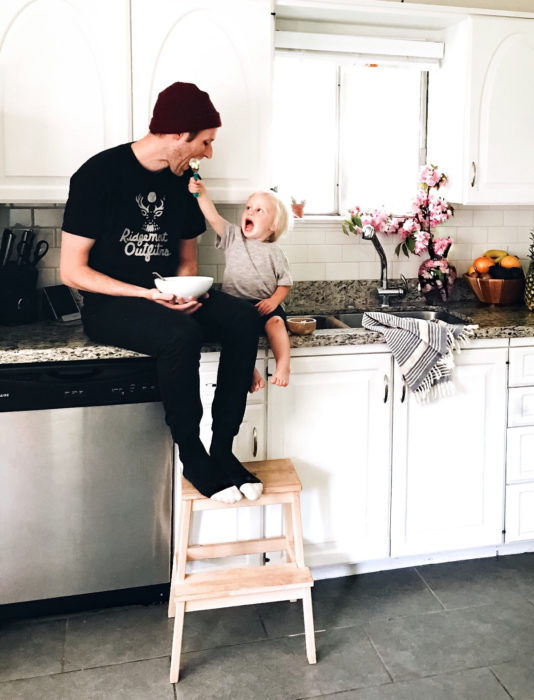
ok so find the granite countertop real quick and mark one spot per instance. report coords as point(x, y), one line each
point(61, 342)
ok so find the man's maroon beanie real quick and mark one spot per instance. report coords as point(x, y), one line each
point(183, 107)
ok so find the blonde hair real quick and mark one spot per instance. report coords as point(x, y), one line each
point(282, 221)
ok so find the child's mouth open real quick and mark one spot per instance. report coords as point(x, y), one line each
point(249, 225)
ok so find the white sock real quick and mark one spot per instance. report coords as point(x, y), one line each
point(251, 491)
point(229, 495)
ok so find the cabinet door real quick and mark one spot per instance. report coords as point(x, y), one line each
point(334, 422)
point(449, 460)
point(481, 115)
point(521, 406)
point(521, 366)
point(65, 86)
point(226, 49)
point(520, 454)
point(520, 512)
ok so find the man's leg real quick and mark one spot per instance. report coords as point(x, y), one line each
point(235, 323)
point(174, 339)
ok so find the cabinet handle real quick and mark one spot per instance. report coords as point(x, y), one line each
point(386, 387)
point(403, 392)
point(474, 178)
point(254, 442)
point(211, 384)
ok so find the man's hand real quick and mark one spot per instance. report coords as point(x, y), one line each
point(170, 301)
point(196, 187)
point(265, 306)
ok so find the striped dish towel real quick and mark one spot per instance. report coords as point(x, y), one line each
point(422, 349)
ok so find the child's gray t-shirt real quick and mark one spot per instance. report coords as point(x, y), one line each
point(254, 269)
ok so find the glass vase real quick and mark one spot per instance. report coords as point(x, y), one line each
point(436, 277)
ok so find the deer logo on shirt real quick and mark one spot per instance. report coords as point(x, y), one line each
point(151, 211)
point(149, 242)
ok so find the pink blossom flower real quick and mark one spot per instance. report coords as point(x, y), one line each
point(432, 177)
point(421, 199)
point(441, 245)
point(410, 225)
point(421, 242)
point(393, 226)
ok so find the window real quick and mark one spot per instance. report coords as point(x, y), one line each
point(346, 135)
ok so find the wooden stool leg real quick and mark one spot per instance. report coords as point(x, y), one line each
point(288, 531)
point(297, 530)
point(179, 559)
point(308, 626)
point(177, 641)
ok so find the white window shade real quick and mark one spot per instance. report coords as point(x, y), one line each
point(349, 49)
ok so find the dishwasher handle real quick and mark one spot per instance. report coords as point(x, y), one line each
point(67, 374)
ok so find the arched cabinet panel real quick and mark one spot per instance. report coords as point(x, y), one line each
point(506, 147)
point(225, 49)
point(65, 91)
point(481, 111)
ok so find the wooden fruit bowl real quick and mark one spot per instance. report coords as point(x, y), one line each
point(492, 291)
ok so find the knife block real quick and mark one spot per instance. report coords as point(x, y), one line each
point(18, 294)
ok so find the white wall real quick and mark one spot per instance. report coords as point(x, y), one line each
point(317, 248)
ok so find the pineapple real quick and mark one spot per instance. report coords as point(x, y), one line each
point(529, 280)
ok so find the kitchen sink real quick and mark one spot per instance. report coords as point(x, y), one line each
point(354, 320)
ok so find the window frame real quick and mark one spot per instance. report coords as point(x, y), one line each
point(423, 131)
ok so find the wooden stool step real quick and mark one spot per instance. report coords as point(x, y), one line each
point(278, 477)
point(242, 586)
point(233, 583)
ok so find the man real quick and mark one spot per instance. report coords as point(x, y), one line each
point(129, 214)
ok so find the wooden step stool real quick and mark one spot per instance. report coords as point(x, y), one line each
point(242, 586)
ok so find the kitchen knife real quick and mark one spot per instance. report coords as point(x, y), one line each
point(24, 247)
point(6, 246)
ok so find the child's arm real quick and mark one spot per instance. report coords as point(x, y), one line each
point(207, 207)
point(265, 306)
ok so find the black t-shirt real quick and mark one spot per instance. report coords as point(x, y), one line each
point(137, 217)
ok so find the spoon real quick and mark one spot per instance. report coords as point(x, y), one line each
point(194, 164)
point(156, 274)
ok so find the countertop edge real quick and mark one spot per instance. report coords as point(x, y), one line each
point(85, 351)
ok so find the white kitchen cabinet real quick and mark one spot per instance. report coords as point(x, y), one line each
point(481, 111)
point(65, 87)
point(521, 366)
point(449, 460)
point(510, 6)
point(521, 406)
point(520, 512)
point(226, 49)
point(334, 422)
point(520, 446)
point(520, 454)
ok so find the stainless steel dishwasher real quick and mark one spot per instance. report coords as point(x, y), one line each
point(85, 469)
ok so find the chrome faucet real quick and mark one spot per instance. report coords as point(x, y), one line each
point(384, 291)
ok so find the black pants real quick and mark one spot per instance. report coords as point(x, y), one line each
point(175, 339)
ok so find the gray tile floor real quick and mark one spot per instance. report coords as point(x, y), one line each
point(456, 631)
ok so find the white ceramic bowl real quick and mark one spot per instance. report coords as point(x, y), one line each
point(184, 287)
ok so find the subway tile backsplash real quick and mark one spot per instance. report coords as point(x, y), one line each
point(316, 247)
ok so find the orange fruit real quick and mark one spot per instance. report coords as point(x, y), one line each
point(483, 264)
point(510, 261)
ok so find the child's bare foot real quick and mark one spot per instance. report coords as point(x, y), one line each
point(280, 376)
point(257, 382)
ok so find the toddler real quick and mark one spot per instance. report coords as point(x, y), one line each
point(256, 267)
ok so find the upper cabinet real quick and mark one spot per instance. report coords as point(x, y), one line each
point(66, 74)
point(505, 5)
point(65, 87)
point(481, 111)
point(226, 49)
